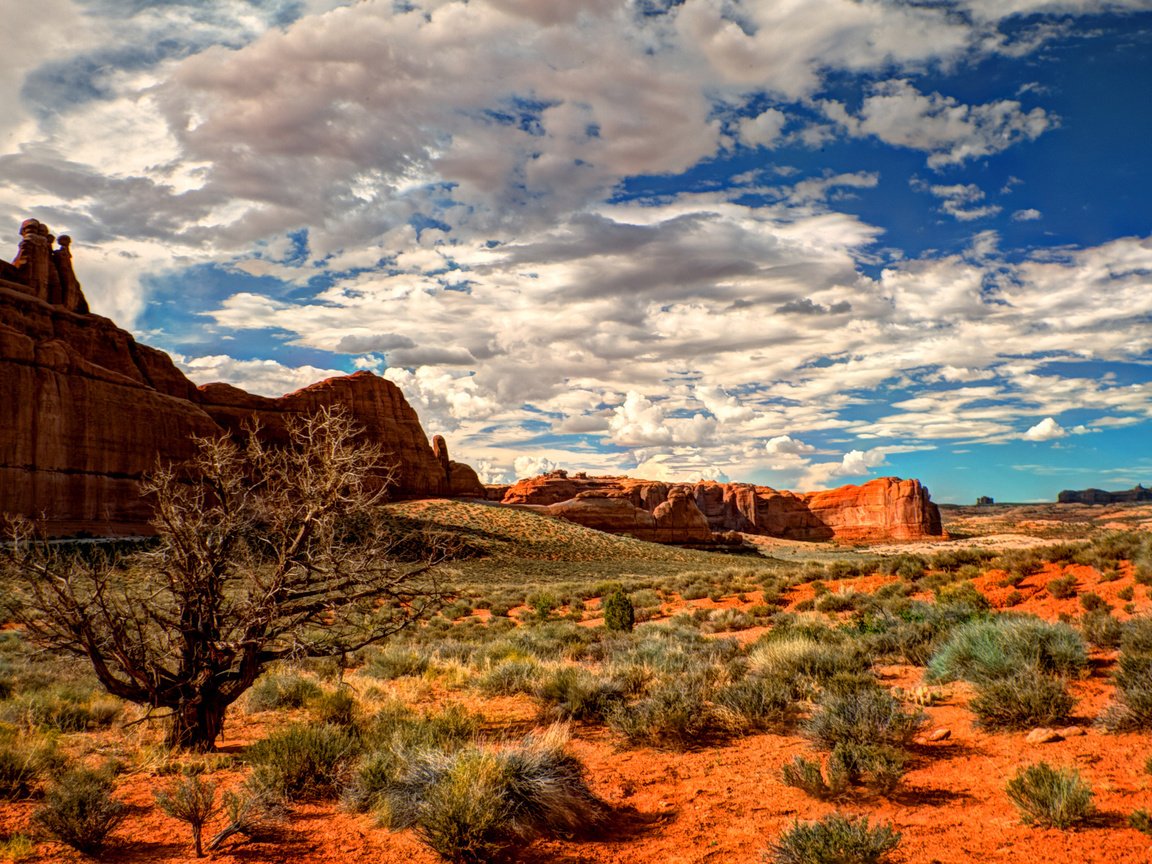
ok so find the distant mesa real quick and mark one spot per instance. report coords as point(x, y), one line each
point(1099, 496)
point(984, 501)
point(883, 509)
point(88, 412)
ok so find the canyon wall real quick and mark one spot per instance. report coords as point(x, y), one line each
point(884, 509)
point(88, 410)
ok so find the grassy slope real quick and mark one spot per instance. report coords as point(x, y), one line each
point(518, 546)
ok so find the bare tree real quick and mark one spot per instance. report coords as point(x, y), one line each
point(264, 553)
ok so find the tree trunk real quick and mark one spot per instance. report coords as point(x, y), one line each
point(197, 724)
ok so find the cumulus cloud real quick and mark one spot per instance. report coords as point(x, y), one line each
point(942, 126)
point(1028, 215)
point(263, 377)
point(961, 200)
point(1046, 430)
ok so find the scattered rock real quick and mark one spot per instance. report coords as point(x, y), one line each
point(1043, 736)
point(941, 734)
point(1072, 732)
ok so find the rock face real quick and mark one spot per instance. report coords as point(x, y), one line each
point(88, 410)
point(1099, 496)
point(883, 509)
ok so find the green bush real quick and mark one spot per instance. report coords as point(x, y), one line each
point(1100, 628)
point(864, 715)
point(1022, 700)
point(79, 810)
point(473, 805)
point(758, 702)
point(1062, 587)
point(1050, 797)
point(677, 714)
point(803, 661)
point(396, 661)
point(517, 675)
point(302, 761)
point(994, 648)
point(619, 613)
point(879, 767)
point(273, 692)
point(62, 708)
point(338, 708)
point(25, 764)
point(835, 839)
point(1132, 706)
point(575, 693)
point(808, 776)
point(1141, 820)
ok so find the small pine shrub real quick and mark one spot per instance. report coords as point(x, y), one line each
point(619, 613)
point(1050, 797)
point(302, 761)
point(79, 810)
point(191, 800)
point(1062, 587)
point(1022, 700)
point(835, 839)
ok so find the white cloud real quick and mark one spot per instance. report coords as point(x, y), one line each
point(263, 377)
point(1028, 215)
point(952, 132)
point(961, 201)
point(763, 130)
point(1046, 430)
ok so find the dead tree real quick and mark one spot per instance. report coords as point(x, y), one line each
point(264, 553)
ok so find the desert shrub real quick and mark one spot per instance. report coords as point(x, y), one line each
point(1021, 563)
point(803, 661)
point(575, 693)
point(995, 648)
point(518, 675)
point(79, 810)
point(1132, 705)
point(1126, 593)
point(273, 692)
point(1050, 797)
point(1021, 700)
point(1093, 602)
point(1141, 820)
point(809, 776)
point(473, 805)
point(62, 708)
point(1099, 628)
point(191, 800)
point(951, 560)
point(962, 594)
point(338, 707)
point(835, 839)
point(879, 767)
point(457, 609)
point(1062, 587)
point(25, 764)
point(908, 567)
point(542, 604)
point(861, 715)
point(619, 613)
point(839, 601)
point(759, 702)
point(676, 714)
point(302, 761)
point(396, 661)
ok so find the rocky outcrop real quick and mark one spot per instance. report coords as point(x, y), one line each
point(88, 410)
point(884, 509)
point(1098, 496)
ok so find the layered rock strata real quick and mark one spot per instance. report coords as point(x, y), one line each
point(883, 509)
point(88, 410)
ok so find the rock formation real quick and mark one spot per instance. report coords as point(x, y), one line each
point(1099, 496)
point(88, 410)
point(883, 509)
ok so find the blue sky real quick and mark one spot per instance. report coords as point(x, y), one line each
point(793, 243)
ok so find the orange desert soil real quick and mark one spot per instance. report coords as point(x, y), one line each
point(726, 803)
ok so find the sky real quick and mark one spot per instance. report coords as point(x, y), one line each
point(800, 243)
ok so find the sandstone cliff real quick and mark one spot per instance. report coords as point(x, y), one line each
point(88, 410)
point(883, 509)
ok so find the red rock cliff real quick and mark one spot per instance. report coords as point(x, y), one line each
point(884, 509)
point(88, 410)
